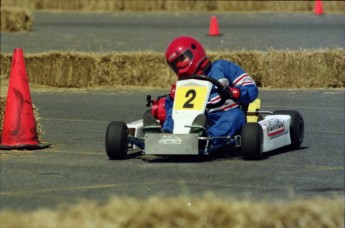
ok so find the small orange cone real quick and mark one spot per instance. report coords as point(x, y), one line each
point(214, 30)
point(19, 129)
point(318, 7)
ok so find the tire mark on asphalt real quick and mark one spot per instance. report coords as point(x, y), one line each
point(74, 120)
point(75, 188)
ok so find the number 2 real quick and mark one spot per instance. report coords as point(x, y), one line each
point(192, 94)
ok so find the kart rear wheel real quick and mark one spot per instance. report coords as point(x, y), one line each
point(296, 127)
point(251, 140)
point(116, 140)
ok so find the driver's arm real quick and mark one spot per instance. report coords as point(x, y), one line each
point(248, 93)
point(242, 86)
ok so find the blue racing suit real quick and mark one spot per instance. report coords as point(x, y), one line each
point(228, 119)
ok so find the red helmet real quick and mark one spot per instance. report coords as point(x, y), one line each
point(186, 56)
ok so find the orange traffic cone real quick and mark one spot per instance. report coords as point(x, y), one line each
point(19, 129)
point(318, 7)
point(214, 30)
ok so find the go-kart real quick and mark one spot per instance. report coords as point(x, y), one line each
point(264, 131)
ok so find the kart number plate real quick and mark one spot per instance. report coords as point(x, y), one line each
point(190, 98)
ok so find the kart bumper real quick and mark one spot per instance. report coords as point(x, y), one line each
point(171, 144)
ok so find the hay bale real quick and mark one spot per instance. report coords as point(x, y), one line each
point(208, 211)
point(272, 69)
point(175, 6)
point(15, 19)
point(303, 69)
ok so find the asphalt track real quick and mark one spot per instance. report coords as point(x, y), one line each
point(154, 31)
point(76, 166)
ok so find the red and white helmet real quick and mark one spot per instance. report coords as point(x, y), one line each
point(186, 56)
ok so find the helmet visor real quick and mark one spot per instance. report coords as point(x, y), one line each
point(182, 61)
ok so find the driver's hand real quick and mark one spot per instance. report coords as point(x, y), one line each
point(231, 93)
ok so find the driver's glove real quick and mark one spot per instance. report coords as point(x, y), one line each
point(231, 93)
point(172, 91)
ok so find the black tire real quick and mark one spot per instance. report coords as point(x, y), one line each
point(296, 127)
point(116, 140)
point(251, 140)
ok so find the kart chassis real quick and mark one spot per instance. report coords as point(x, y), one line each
point(269, 131)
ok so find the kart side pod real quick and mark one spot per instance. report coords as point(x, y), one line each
point(276, 129)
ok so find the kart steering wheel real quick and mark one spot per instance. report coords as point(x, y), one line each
point(215, 82)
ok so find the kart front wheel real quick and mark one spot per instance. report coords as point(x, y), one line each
point(251, 140)
point(116, 140)
point(296, 127)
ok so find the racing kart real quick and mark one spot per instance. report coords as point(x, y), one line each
point(264, 131)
